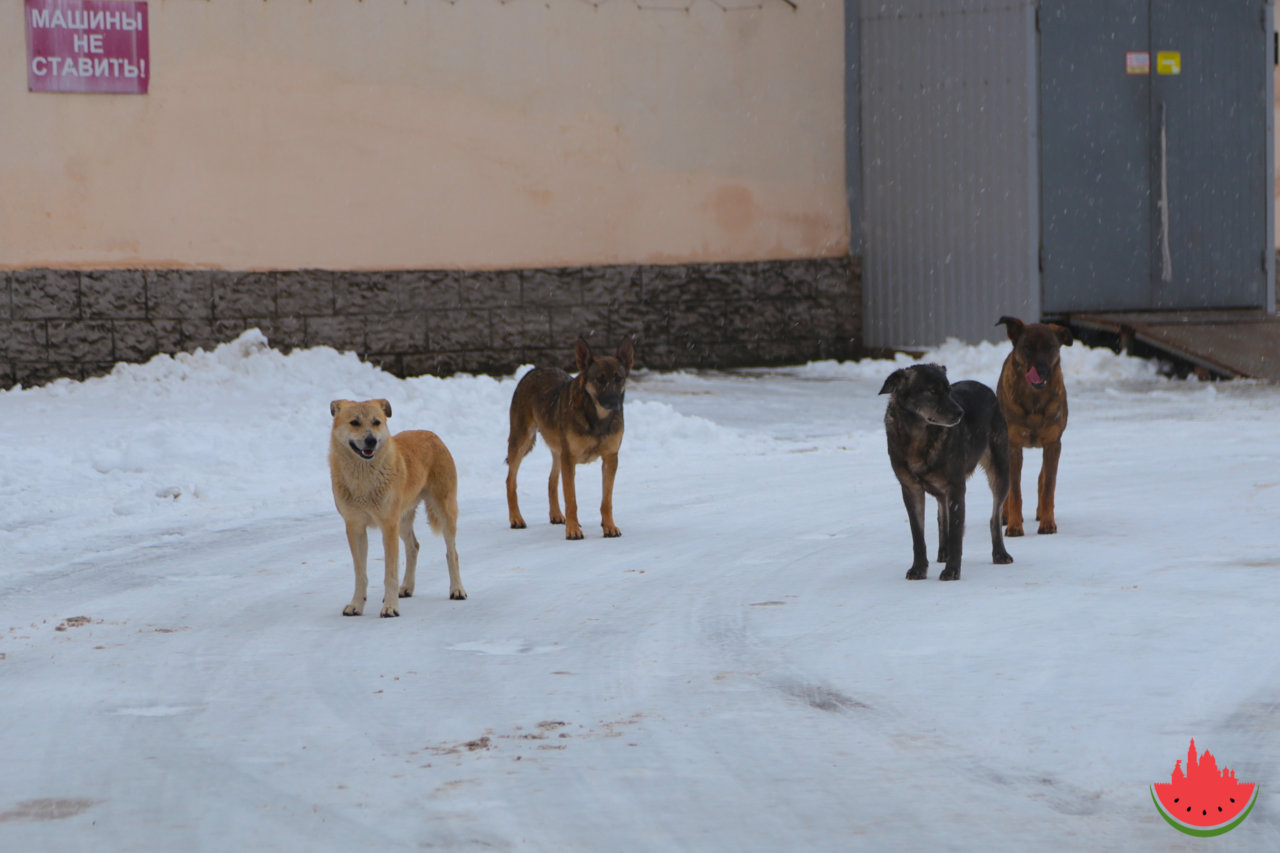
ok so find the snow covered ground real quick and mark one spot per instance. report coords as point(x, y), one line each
point(745, 669)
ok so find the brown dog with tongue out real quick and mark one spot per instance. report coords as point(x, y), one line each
point(1033, 399)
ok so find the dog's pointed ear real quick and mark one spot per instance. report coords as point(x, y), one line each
point(627, 353)
point(385, 406)
point(336, 405)
point(582, 352)
point(1013, 326)
point(1064, 334)
point(894, 382)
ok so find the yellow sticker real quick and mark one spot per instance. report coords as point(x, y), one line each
point(1169, 62)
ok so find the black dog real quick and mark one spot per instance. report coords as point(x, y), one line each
point(937, 433)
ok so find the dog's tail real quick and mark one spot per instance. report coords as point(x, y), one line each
point(433, 517)
point(441, 501)
point(532, 442)
point(442, 512)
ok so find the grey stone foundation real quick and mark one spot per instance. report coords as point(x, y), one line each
point(78, 324)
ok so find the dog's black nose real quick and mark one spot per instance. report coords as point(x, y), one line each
point(370, 442)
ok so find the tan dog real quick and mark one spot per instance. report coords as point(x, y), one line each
point(580, 418)
point(378, 481)
point(1033, 398)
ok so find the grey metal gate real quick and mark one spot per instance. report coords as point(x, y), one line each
point(1154, 159)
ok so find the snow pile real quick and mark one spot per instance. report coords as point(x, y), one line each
point(240, 433)
point(1080, 364)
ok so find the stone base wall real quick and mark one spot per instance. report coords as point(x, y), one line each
point(78, 324)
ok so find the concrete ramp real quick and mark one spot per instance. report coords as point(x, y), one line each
point(1226, 343)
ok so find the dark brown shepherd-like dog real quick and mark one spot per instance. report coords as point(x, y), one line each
point(938, 433)
point(1033, 399)
point(580, 418)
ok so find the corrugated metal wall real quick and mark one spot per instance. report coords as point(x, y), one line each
point(950, 207)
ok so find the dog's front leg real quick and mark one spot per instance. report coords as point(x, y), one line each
point(391, 578)
point(1048, 483)
point(609, 468)
point(1013, 503)
point(572, 530)
point(955, 533)
point(358, 541)
point(913, 497)
point(942, 530)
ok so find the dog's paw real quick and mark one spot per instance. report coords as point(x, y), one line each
point(406, 592)
point(949, 575)
point(389, 611)
point(572, 532)
point(1048, 527)
point(611, 531)
point(518, 524)
point(352, 610)
point(1013, 529)
point(457, 594)
point(1002, 559)
point(557, 519)
point(917, 573)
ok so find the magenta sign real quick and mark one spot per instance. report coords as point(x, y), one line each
point(88, 46)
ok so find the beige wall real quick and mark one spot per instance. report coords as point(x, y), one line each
point(421, 134)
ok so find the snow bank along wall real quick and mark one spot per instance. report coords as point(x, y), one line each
point(438, 186)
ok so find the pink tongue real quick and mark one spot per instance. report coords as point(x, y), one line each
point(1033, 376)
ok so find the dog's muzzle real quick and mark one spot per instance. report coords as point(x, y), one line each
point(612, 402)
point(366, 448)
point(946, 419)
point(1036, 378)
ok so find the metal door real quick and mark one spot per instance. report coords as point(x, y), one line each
point(1154, 187)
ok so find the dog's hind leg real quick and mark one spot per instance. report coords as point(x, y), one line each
point(998, 479)
point(553, 490)
point(1048, 484)
point(358, 541)
point(913, 497)
point(609, 465)
point(442, 515)
point(519, 444)
point(410, 553)
point(456, 590)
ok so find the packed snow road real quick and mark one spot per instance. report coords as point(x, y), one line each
point(744, 669)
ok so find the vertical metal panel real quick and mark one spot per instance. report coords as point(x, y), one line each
point(950, 205)
point(1270, 130)
point(1156, 187)
point(1096, 169)
point(1213, 152)
point(852, 113)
